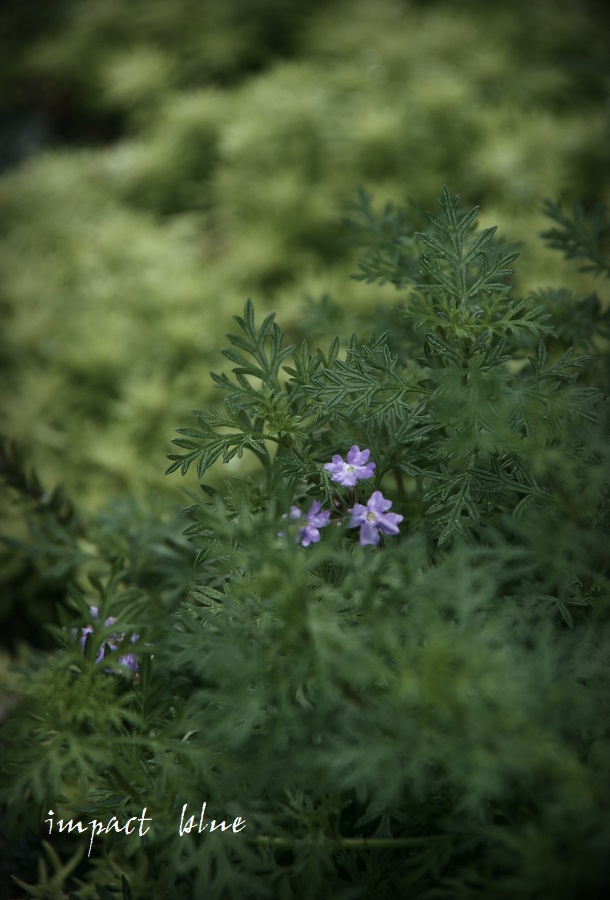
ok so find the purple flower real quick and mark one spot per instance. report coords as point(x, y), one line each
point(357, 466)
point(111, 643)
point(374, 518)
point(309, 533)
point(129, 659)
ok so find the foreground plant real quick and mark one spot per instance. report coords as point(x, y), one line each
point(404, 694)
point(111, 643)
point(314, 520)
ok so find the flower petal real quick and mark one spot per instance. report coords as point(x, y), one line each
point(369, 534)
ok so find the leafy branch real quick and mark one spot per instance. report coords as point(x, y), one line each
point(580, 235)
point(390, 249)
point(368, 386)
point(464, 293)
point(216, 445)
point(27, 484)
point(264, 346)
point(248, 408)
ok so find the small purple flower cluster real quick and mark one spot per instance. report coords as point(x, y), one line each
point(314, 520)
point(372, 518)
point(113, 642)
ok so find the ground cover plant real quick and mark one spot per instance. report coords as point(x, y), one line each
point(378, 635)
point(169, 160)
point(379, 656)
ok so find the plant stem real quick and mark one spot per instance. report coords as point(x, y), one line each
point(400, 484)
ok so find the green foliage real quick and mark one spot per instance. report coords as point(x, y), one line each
point(579, 236)
point(60, 549)
point(426, 716)
point(247, 410)
point(423, 718)
point(183, 153)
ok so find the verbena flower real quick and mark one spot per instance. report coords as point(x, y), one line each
point(357, 466)
point(314, 520)
point(111, 643)
point(374, 518)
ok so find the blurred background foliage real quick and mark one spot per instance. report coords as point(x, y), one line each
point(162, 161)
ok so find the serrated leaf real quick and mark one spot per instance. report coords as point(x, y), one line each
point(522, 506)
point(442, 346)
point(483, 238)
point(467, 220)
point(430, 241)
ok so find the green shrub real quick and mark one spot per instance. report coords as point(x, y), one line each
point(406, 703)
point(241, 138)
